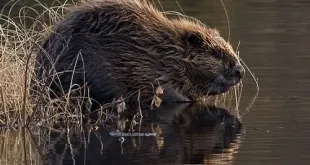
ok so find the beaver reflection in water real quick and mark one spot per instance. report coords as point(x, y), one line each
point(116, 47)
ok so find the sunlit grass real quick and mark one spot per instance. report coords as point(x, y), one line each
point(19, 43)
point(17, 147)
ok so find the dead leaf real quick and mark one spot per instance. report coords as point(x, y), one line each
point(159, 91)
point(156, 101)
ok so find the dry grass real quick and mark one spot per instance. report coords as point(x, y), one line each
point(19, 42)
point(21, 35)
point(24, 146)
point(12, 153)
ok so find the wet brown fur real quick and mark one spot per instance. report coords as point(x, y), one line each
point(116, 47)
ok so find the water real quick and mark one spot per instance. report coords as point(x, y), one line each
point(275, 43)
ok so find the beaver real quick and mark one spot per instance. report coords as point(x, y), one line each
point(122, 48)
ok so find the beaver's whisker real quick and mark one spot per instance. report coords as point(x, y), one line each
point(257, 89)
point(176, 1)
point(228, 24)
point(238, 48)
point(161, 6)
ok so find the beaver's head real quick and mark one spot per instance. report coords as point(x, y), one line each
point(208, 61)
point(198, 60)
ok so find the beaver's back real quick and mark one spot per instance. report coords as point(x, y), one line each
point(86, 47)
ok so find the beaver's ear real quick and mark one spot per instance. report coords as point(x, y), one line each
point(193, 39)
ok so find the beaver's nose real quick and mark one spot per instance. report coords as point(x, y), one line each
point(238, 71)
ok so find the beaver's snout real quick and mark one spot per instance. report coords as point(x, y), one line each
point(235, 74)
point(225, 81)
point(238, 71)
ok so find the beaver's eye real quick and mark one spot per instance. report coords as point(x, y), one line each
point(216, 54)
point(194, 39)
point(231, 64)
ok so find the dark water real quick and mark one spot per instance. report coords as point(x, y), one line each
point(171, 135)
point(275, 44)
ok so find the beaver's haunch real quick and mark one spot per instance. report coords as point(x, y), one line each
point(116, 47)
